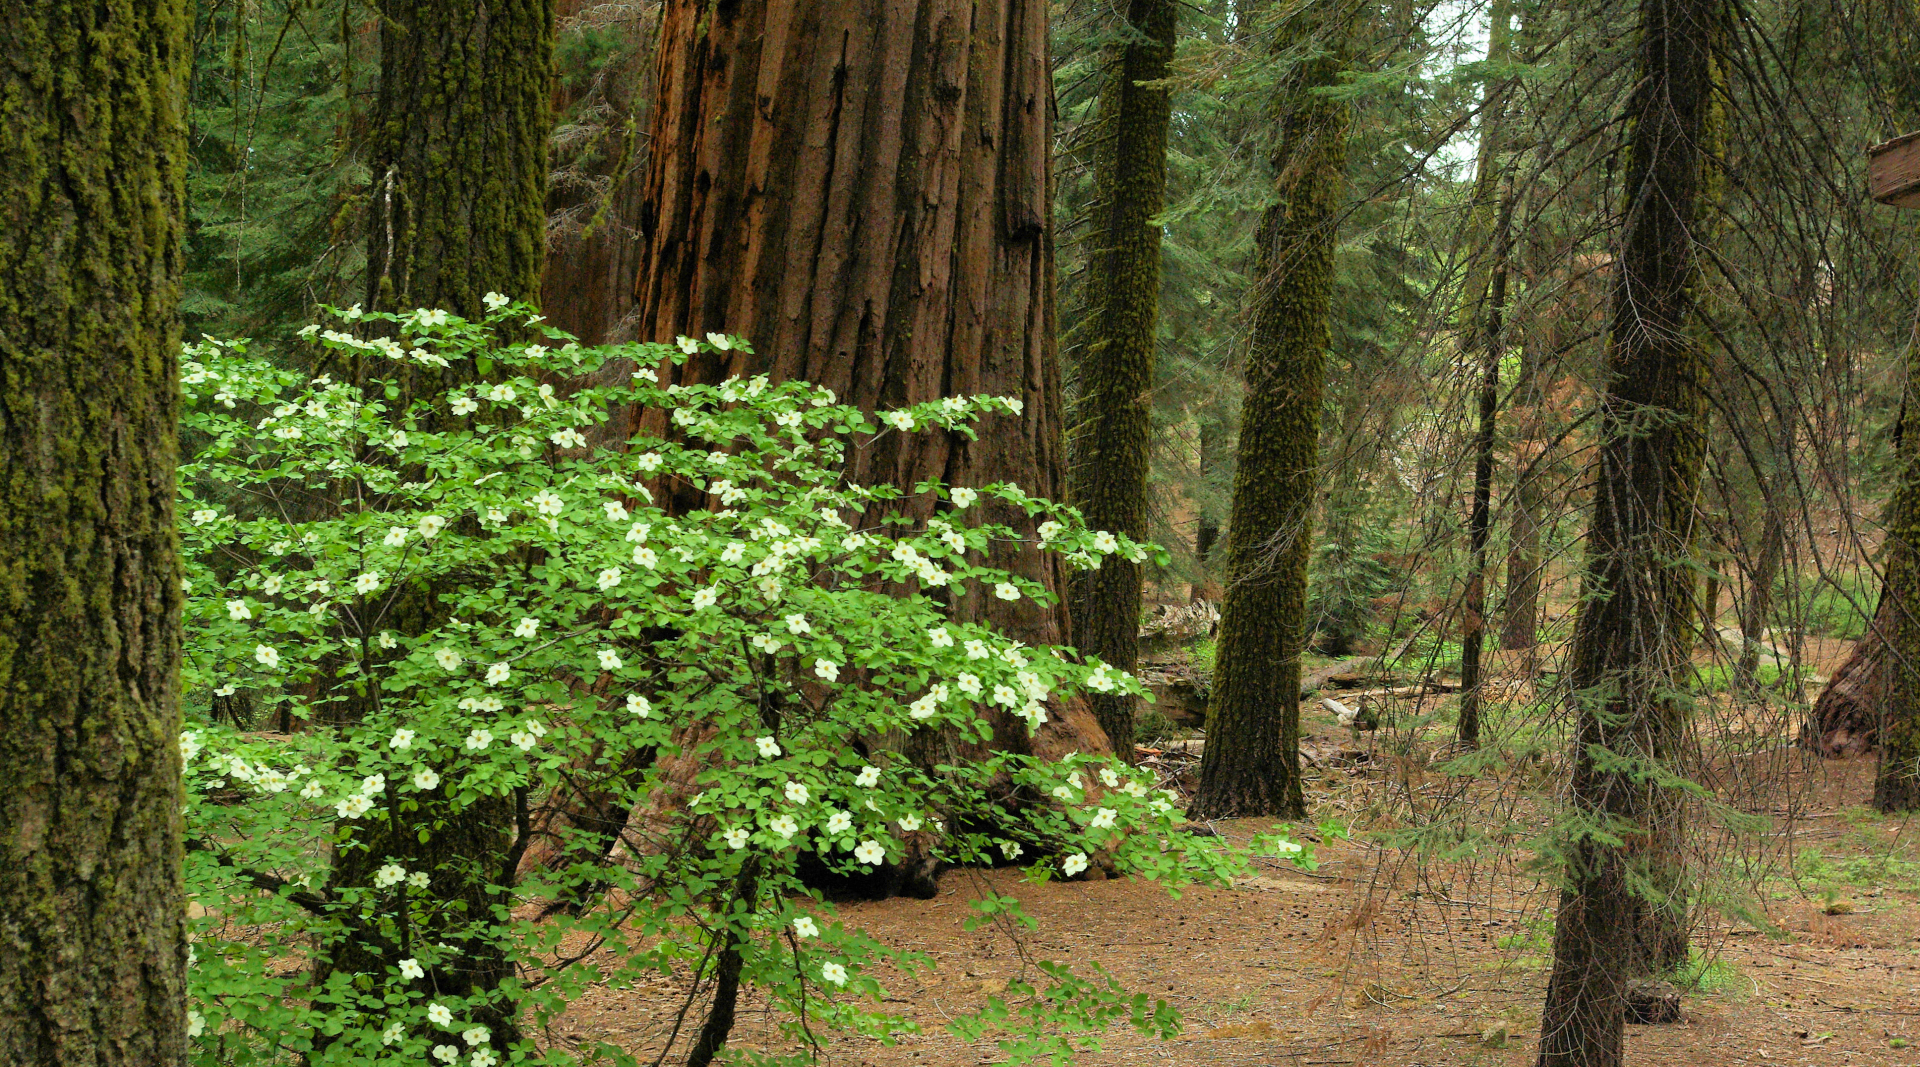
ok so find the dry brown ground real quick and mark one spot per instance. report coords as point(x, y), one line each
point(1355, 966)
point(1368, 961)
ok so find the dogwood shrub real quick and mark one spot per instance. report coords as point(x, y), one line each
point(468, 613)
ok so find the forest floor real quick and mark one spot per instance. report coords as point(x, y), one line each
point(1357, 964)
point(1376, 959)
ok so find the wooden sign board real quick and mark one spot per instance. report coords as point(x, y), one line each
point(1893, 171)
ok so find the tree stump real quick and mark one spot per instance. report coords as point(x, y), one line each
point(1846, 717)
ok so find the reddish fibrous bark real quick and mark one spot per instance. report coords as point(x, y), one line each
point(860, 188)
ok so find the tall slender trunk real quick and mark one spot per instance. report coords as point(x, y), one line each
point(1480, 523)
point(1109, 477)
point(861, 189)
point(92, 199)
point(1621, 901)
point(457, 209)
point(1486, 296)
point(1758, 603)
point(1251, 765)
point(1520, 611)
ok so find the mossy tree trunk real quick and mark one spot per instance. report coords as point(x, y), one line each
point(1114, 434)
point(1251, 764)
point(1896, 786)
point(458, 153)
point(457, 209)
point(1621, 902)
point(861, 189)
point(92, 200)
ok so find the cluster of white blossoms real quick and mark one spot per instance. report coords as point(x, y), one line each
point(781, 577)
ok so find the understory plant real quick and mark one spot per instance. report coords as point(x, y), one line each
point(539, 730)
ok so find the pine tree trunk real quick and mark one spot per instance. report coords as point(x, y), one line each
point(1480, 522)
point(1109, 482)
point(1251, 764)
point(459, 152)
point(1633, 633)
point(92, 907)
point(1759, 600)
point(861, 189)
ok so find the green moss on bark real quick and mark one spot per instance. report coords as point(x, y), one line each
point(459, 153)
point(1896, 786)
point(1111, 446)
point(92, 913)
point(1622, 904)
point(1251, 765)
point(458, 210)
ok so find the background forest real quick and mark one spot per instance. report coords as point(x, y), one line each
point(1429, 484)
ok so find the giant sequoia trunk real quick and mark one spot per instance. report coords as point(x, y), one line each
point(1622, 902)
point(860, 188)
point(1251, 765)
point(459, 151)
point(1110, 462)
point(92, 909)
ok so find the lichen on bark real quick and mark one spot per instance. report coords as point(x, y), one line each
point(92, 908)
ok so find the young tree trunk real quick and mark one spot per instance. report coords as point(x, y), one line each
point(861, 189)
point(1485, 297)
point(1759, 600)
point(458, 210)
point(1251, 764)
point(92, 907)
point(1636, 620)
point(1109, 477)
point(1480, 523)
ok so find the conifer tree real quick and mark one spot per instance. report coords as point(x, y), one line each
point(1621, 898)
point(879, 225)
point(1484, 300)
point(1896, 784)
point(1114, 434)
point(1251, 764)
point(92, 907)
point(458, 153)
point(457, 210)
